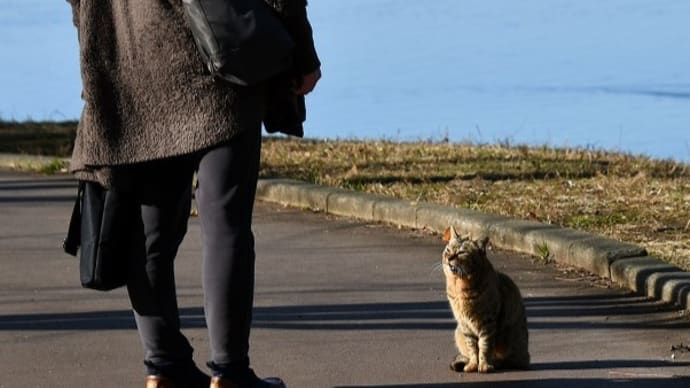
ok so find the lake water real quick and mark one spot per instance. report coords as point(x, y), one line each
point(611, 74)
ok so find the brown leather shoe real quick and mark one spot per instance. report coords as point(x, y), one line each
point(183, 377)
point(217, 382)
point(270, 382)
point(153, 381)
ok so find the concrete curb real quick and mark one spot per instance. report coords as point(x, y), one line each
point(625, 264)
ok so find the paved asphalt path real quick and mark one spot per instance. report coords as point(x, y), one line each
point(339, 303)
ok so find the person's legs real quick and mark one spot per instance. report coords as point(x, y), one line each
point(164, 190)
point(227, 179)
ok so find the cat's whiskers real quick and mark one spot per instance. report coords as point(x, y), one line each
point(437, 267)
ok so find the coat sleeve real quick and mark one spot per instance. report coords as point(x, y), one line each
point(76, 4)
point(306, 58)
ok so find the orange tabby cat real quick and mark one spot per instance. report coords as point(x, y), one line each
point(492, 323)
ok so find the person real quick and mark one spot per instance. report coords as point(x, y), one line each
point(152, 117)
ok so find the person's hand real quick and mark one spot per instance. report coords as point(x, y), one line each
point(307, 83)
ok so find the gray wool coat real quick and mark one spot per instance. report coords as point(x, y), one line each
point(146, 93)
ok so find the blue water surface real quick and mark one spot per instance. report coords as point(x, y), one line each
point(609, 74)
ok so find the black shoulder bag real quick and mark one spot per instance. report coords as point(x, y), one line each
point(105, 229)
point(241, 41)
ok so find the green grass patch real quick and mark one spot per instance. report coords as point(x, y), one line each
point(591, 221)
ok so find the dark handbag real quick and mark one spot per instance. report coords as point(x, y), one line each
point(241, 41)
point(104, 228)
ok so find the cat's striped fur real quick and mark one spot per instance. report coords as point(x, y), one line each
point(488, 307)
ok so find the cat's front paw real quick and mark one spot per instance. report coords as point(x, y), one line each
point(471, 367)
point(485, 367)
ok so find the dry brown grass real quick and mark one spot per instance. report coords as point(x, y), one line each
point(628, 198)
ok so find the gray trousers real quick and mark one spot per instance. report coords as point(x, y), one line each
point(227, 177)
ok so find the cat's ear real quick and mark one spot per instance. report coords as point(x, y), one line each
point(454, 234)
point(446, 234)
point(450, 234)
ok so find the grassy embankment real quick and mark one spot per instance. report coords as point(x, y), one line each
point(625, 197)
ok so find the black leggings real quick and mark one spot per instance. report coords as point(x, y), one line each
point(227, 178)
